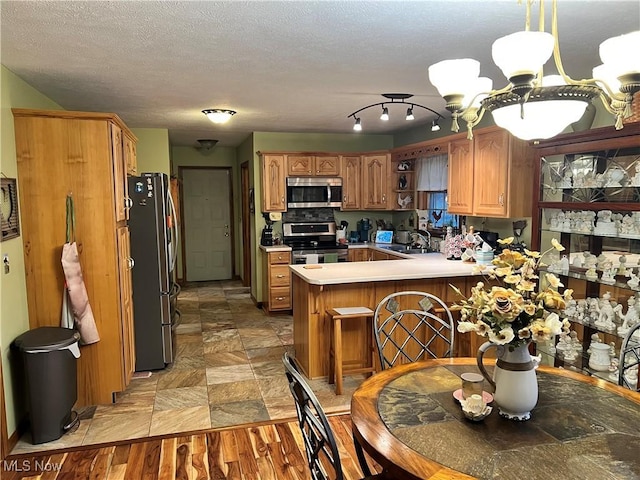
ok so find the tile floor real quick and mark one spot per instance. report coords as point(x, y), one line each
point(228, 371)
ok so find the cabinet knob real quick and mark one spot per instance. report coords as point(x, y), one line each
point(280, 276)
point(131, 263)
point(128, 203)
point(279, 257)
point(344, 198)
point(280, 298)
point(501, 200)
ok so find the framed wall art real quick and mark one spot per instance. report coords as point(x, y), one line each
point(9, 208)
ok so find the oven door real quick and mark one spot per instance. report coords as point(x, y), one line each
point(321, 256)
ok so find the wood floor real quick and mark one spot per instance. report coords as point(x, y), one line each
point(260, 452)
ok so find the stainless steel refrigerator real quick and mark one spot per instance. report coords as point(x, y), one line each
point(153, 246)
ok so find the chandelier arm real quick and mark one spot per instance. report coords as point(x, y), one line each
point(396, 103)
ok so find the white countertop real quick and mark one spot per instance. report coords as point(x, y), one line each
point(428, 265)
point(275, 248)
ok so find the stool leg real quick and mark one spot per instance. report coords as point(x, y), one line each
point(332, 352)
point(372, 345)
point(337, 354)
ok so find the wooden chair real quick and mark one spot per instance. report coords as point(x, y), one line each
point(337, 367)
point(411, 326)
point(320, 444)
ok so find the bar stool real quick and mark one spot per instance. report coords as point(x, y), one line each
point(336, 367)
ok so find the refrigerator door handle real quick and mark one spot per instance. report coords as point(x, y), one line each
point(174, 227)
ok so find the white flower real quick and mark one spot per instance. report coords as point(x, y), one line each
point(503, 337)
point(553, 323)
point(464, 327)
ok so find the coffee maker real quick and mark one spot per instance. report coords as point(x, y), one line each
point(266, 239)
point(364, 225)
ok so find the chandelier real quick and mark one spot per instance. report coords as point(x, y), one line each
point(219, 115)
point(395, 99)
point(533, 106)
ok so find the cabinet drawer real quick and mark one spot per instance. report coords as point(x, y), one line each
point(279, 257)
point(280, 298)
point(280, 276)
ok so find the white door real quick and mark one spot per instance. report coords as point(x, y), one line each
point(207, 223)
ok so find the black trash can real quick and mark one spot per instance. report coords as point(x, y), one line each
point(49, 355)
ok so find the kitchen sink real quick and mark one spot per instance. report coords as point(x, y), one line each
point(406, 249)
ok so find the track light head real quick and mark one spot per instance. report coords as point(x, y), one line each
point(434, 125)
point(385, 114)
point(409, 113)
point(357, 126)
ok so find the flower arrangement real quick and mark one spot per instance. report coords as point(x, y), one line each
point(516, 310)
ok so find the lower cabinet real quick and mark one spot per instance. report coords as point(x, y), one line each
point(358, 254)
point(277, 295)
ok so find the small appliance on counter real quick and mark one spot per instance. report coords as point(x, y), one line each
point(364, 225)
point(403, 237)
point(266, 239)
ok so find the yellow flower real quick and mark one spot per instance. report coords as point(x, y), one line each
point(553, 281)
point(552, 299)
point(540, 332)
point(505, 303)
point(530, 309)
point(532, 254)
point(512, 279)
point(556, 244)
point(526, 286)
point(505, 241)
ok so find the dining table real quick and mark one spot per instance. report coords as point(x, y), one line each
point(407, 419)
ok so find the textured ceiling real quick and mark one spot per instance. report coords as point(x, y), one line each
point(297, 66)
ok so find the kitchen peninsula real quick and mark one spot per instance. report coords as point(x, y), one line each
point(317, 288)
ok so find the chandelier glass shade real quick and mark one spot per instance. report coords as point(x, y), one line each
point(393, 98)
point(531, 106)
point(219, 115)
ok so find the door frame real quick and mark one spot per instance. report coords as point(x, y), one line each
point(246, 226)
point(181, 169)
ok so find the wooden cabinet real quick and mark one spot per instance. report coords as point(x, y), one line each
point(82, 154)
point(277, 281)
point(375, 181)
point(310, 165)
point(130, 155)
point(274, 189)
point(351, 182)
point(359, 255)
point(492, 176)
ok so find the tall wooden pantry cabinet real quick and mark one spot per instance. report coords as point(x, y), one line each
point(86, 155)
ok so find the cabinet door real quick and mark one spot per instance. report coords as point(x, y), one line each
point(119, 174)
point(327, 165)
point(125, 264)
point(375, 186)
point(299, 165)
point(273, 183)
point(351, 179)
point(460, 177)
point(130, 155)
point(491, 174)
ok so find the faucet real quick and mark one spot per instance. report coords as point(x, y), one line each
point(426, 239)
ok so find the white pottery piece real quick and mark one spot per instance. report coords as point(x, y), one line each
point(599, 359)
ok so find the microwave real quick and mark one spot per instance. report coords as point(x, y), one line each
point(310, 192)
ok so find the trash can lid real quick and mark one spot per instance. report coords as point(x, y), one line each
point(46, 339)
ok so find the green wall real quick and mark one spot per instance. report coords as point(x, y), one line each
point(14, 317)
point(153, 150)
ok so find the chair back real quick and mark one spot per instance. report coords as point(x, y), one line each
point(319, 443)
point(410, 326)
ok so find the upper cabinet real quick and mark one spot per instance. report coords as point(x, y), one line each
point(491, 175)
point(130, 155)
point(351, 182)
point(375, 181)
point(274, 189)
point(310, 165)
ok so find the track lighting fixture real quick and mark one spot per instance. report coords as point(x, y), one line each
point(393, 98)
point(435, 126)
point(219, 115)
point(533, 106)
point(409, 114)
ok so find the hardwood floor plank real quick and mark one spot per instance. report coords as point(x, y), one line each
point(183, 462)
point(269, 433)
point(282, 466)
point(101, 464)
point(229, 447)
point(217, 467)
point(247, 458)
point(199, 457)
point(167, 468)
point(135, 464)
point(235, 473)
point(121, 454)
point(54, 465)
point(266, 470)
point(258, 442)
point(294, 455)
point(151, 464)
point(116, 472)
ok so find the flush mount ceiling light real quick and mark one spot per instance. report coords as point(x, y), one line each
point(394, 98)
point(219, 115)
point(534, 107)
point(207, 144)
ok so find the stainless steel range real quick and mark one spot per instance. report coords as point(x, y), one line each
point(313, 242)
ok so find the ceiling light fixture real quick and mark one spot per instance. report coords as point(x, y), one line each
point(219, 115)
point(207, 144)
point(534, 107)
point(435, 126)
point(393, 98)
